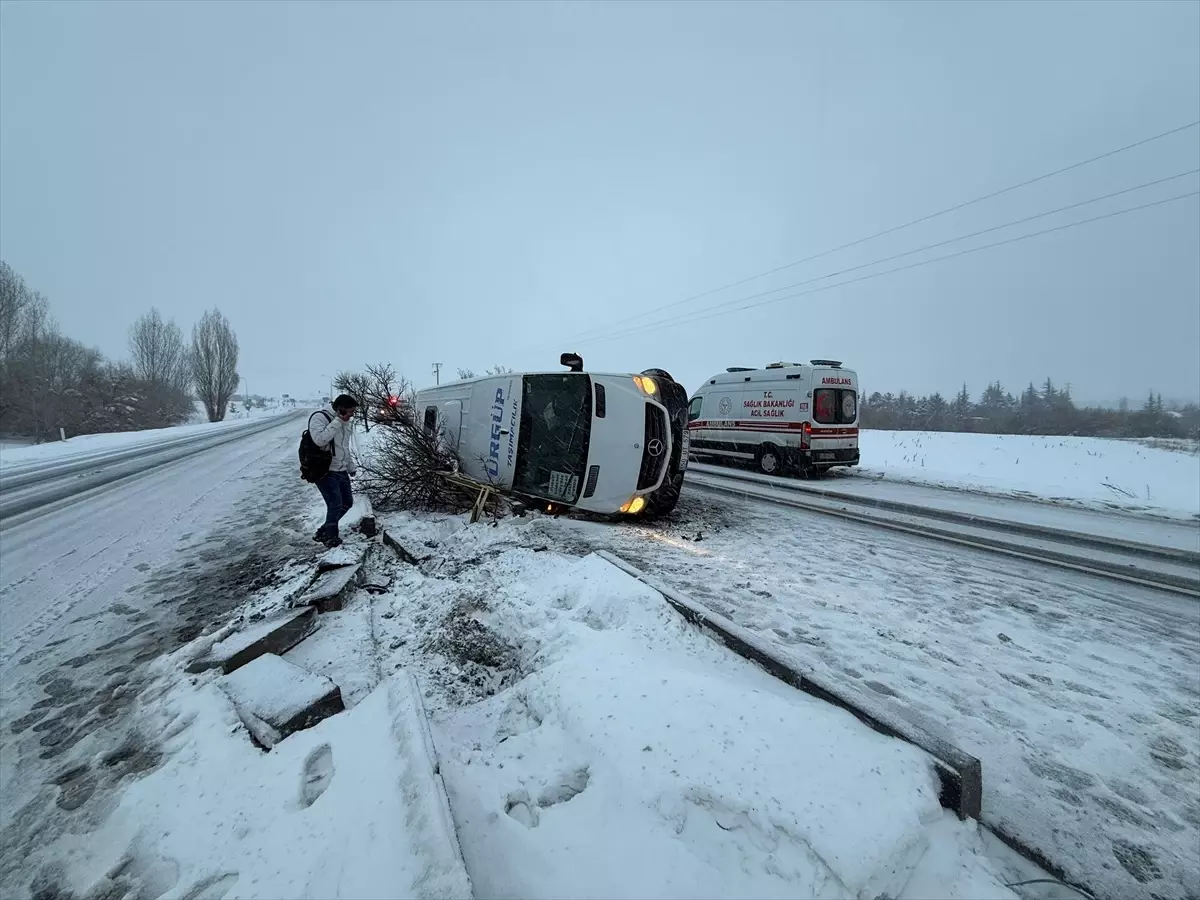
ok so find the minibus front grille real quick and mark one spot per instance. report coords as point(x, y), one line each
point(654, 448)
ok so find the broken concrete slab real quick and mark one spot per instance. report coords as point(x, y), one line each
point(328, 593)
point(276, 698)
point(344, 651)
point(276, 634)
point(399, 549)
point(367, 525)
point(336, 558)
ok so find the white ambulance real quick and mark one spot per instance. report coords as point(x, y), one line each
point(605, 443)
point(786, 417)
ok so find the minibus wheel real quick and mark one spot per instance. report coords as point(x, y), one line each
point(659, 373)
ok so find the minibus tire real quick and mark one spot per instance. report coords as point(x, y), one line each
point(663, 500)
point(659, 373)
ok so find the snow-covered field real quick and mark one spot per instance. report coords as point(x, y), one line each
point(1094, 472)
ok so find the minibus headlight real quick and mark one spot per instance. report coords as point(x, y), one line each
point(634, 505)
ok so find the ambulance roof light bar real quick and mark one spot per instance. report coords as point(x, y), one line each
point(827, 362)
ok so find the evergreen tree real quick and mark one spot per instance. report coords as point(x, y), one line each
point(962, 405)
point(1049, 394)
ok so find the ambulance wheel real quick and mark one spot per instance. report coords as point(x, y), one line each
point(769, 460)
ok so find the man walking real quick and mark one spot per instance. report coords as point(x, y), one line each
point(330, 429)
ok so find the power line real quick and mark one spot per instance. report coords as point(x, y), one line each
point(912, 222)
point(934, 246)
point(717, 312)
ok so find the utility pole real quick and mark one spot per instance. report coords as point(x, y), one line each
point(437, 373)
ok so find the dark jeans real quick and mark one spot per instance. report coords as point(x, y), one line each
point(335, 489)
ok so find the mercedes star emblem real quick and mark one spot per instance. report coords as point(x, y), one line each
point(655, 447)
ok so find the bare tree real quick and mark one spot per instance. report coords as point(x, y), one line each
point(160, 355)
point(49, 381)
point(464, 374)
point(358, 386)
point(386, 384)
point(38, 331)
point(214, 359)
point(14, 299)
point(405, 468)
point(376, 390)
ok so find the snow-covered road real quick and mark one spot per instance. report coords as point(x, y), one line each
point(1040, 512)
point(1159, 565)
point(92, 592)
point(1080, 695)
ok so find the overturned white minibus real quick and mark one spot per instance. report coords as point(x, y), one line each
point(601, 442)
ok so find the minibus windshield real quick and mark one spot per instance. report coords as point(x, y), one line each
point(552, 447)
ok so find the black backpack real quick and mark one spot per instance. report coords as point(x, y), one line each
point(314, 461)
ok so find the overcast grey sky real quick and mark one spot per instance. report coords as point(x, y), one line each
point(486, 183)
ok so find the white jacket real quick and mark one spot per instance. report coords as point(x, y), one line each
point(337, 432)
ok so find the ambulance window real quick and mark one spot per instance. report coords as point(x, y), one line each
point(694, 408)
point(430, 419)
point(825, 406)
point(849, 406)
point(832, 407)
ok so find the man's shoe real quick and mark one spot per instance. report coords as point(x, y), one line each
point(332, 542)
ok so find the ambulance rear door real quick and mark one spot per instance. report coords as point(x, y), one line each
point(834, 411)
